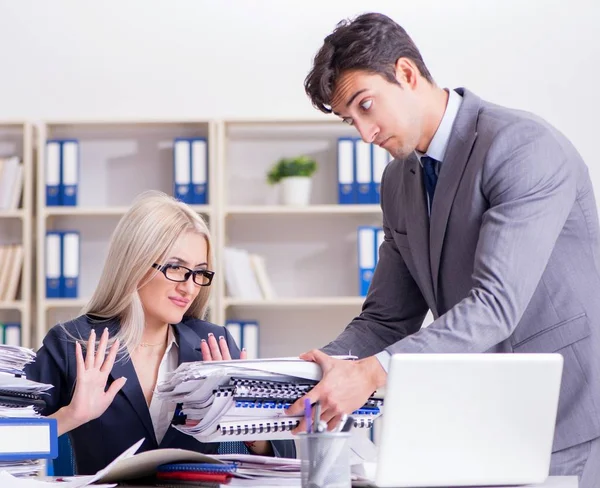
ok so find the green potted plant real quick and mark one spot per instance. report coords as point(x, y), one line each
point(294, 174)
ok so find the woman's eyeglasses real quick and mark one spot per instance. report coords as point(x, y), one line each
point(180, 274)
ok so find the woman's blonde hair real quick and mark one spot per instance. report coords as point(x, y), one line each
point(145, 235)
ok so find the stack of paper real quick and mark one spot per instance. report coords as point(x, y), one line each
point(13, 359)
point(246, 400)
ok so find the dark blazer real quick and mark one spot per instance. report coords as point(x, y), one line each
point(509, 260)
point(127, 419)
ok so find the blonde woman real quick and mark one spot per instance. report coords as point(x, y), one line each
point(147, 313)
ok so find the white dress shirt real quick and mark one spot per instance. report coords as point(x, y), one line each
point(161, 412)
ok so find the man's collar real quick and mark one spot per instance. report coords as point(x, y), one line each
point(439, 143)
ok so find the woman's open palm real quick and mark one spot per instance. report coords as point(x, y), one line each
point(90, 400)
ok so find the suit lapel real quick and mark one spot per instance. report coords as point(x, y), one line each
point(132, 389)
point(189, 344)
point(455, 161)
point(417, 225)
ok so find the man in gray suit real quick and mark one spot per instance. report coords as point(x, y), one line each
point(490, 222)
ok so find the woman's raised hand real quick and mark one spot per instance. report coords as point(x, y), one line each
point(213, 350)
point(90, 400)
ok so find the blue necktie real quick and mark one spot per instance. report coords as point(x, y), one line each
point(429, 177)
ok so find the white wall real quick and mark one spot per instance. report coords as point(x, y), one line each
point(133, 59)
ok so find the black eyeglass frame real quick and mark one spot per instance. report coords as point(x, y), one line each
point(209, 275)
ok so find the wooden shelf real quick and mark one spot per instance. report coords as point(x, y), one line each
point(102, 211)
point(303, 302)
point(64, 303)
point(332, 209)
point(16, 305)
point(12, 214)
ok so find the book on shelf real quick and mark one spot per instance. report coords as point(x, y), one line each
point(11, 267)
point(11, 183)
point(246, 275)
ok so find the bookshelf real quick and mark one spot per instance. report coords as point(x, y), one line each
point(118, 160)
point(16, 139)
point(310, 251)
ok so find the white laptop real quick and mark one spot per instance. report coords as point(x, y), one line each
point(468, 419)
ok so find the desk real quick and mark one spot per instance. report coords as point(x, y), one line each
point(551, 482)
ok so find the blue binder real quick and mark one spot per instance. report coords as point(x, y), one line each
point(381, 158)
point(53, 262)
point(199, 170)
point(364, 171)
point(182, 169)
point(367, 249)
point(52, 173)
point(70, 264)
point(11, 333)
point(346, 166)
point(250, 338)
point(30, 438)
point(69, 172)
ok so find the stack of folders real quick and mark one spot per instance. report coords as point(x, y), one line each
point(246, 400)
point(62, 172)
point(360, 167)
point(25, 438)
point(62, 263)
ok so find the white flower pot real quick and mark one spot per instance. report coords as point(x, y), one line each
point(295, 190)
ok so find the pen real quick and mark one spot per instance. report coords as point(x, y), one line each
point(308, 415)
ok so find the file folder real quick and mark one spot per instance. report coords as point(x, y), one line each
point(235, 329)
point(53, 150)
point(11, 335)
point(366, 257)
point(182, 170)
point(381, 158)
point(28, 438)
point(250, 338)
point(346, 171)
point(199, 171)
point(364, 173)
point(53, 264)
point(70, 172)
point(70, 264)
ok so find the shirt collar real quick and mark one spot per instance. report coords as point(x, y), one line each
point(171, 339)
point(439, 143)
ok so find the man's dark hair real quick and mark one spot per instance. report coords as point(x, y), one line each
point(371, 42)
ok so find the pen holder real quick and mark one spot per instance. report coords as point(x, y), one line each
point(325, 460)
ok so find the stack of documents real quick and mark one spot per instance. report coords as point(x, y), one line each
point(13, 359)
point(247, 399)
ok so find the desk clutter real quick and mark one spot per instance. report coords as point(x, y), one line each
point(246, 400)
point(26, 439)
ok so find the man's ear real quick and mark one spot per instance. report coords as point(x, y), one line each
point(406, 72)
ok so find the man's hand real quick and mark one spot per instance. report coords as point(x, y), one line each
point(344, 387)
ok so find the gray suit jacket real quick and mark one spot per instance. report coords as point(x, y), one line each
point(508, 261)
